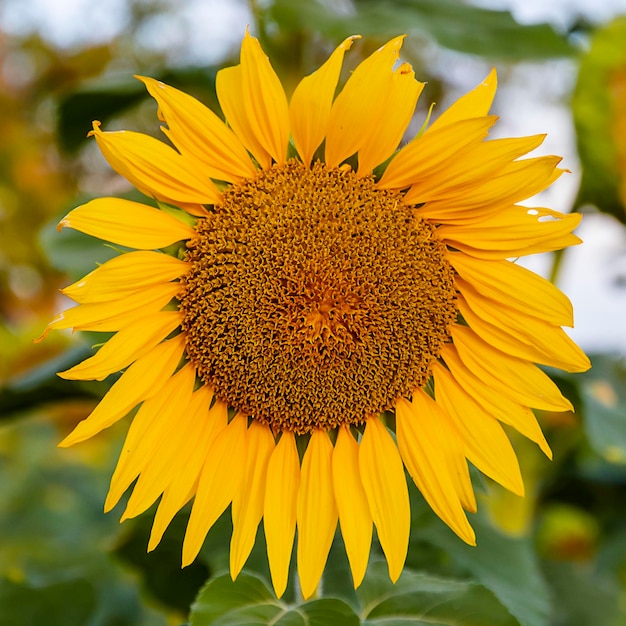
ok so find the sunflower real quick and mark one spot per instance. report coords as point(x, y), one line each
point(304, 290)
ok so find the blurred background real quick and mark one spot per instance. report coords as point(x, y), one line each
point(562, 70)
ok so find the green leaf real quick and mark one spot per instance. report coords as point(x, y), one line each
point(222, 597)
point(451, 23)
point(420, 599)
point(248, 601)
point(328, 611)
point(505, 565)
point(599, 109)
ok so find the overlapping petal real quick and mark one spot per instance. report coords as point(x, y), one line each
point(185, 470)
point(155, 421)
point(383, 479)
point(218, 483)
point(372, 111)
point(249, 500)
point(255, 105)
point(512, 232)
point(316, 512)
point(156, 169)
point(143, 379)
point(518, 379)
point(355, 518)
point(311, 101)
point(434, 457)
point(126, 346)
point(280, 507)
point(432, 152)
point(126, 274)
point(199, 133)
point(484, 442)
point(519, 334)
point(516, 287)
point(497, 404)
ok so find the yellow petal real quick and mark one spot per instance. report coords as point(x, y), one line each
point(255, 105)
point(512, 232)
point(311, 101)
point(185, 469)
point(483, 181)
point(126, 346)
point(434, 151)
point(559, 242)
point(112, 316)
point(428, 445)
point(515, 378)
point(384, 482)
point(126, 274)
point(264, 99)
point(515, 286)
point(355, 518)
point(143, 379)
point(155, 169)
point(198, 133)
point(279, 511)
point(220, 479)
point(157, 474)
point(387, 134)
point(475, 167)
point(154, 421)
point(476, 103)
point(127, 223)
point(229, 87)
point(495, 403)
point(316, 512)
point(247, 509)
point(365, 103)
point(520, 335)
point(486, 444)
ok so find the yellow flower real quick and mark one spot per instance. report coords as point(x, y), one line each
point(312, 304)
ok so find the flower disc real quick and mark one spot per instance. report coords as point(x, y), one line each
point(315, 299)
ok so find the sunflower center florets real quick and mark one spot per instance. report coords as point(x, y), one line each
point(315, 299)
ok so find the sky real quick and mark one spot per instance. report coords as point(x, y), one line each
point(532, 101)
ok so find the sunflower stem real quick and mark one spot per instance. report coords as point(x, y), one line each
point(557, 264)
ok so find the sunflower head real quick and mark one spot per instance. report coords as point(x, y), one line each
point(310, 300)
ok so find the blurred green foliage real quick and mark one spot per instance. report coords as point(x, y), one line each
point(599, 107)
point(557, 558)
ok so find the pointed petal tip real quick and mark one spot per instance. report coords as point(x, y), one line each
point(394, 571)
point(95, 129)
point(346, 44)
point(43, 335)
point(67, 442)
point(545, 448)
point(279, 587)
point(189, 553)
point(109, 504)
